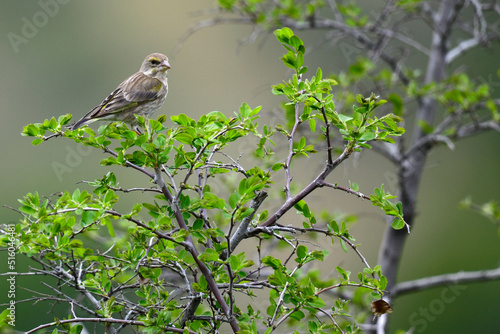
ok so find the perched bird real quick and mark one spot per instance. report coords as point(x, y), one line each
point(142, 94)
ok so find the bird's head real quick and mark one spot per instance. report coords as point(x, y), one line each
point(155, 65)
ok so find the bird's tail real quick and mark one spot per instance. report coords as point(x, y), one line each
point(81, 122)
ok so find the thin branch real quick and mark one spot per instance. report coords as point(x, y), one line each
point(129, 164)
point(190, 247)
point(366, 41)
point(389, 33)
point(286, 165)
point(135, 189)
point(284, 317)
point(334, 8)
point(80, 287)
point(293, 229)
point(249, 285)
point(347, 190)
point(472, 129)
point(198, 156)
point(481, 26)
point(458, 50)
point(383, 17)
point(171, 177)
point(191, 308)
point(427, 142)
point(242, 229)
point(68, 299)
point(327, 134)
point(45, 297)
point(14, 209)
point(57, 134)
point(344, 284)
point(133, 220)
point(455, 278)
point(103, 320)
point(320, 23)
point(205, 24)
point(331, 319)
point(307, 190)
point(280, 302)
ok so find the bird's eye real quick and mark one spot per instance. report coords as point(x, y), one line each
point(154, 61)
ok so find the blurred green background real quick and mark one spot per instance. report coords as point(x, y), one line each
point(81, 50)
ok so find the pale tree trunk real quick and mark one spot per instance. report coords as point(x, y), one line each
point(412, 166)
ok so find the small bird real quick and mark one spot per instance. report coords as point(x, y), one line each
point(142, 94)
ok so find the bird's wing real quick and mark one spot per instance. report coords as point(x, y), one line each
point(135, 90)
point(140, 87)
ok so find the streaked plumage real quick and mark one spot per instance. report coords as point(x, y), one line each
point(142, 94)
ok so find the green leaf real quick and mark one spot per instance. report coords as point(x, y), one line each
point(272, 262)
point(51, 256)
point(345, 118)
point(30, 130)
point(277, 166)
point(263, 215)
point(297, 315)
point(398, 224)
point(296, 42)
point(302, 251)
point(319, 75)
point(283, 35)
point(279, 278)
point(184, 138)
point(383, 282)
point(88, 217)
point(110, 227)
point(233, 199)
point(182, 120)
point(397, 103)
point(341, 271)
point(245, 110)
point(289, 60)
point(315, 302)
point(367, 136)
point(209, 255)
point(343, 245)
point(360, 99)
point(302, 143)
point(27, 210)
point(299, 60)
point(245, 212)
point(335, 226)
point(312, 124)
point(75, 243)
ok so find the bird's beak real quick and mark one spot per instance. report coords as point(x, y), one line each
point(165, 64)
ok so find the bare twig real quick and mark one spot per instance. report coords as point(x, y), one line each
point(279, 303)
point(242, 229)
point(129, 164)
point(331, 319)
point(317, 182)
point(347, 190)
point(455, 278)
point(103, 320)
point(190, 247)
point(287, 164)
point(344, 284)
